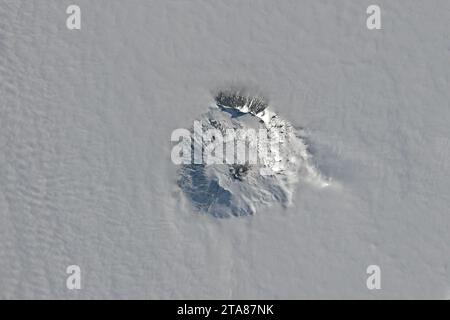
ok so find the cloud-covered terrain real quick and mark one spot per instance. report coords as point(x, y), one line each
point(87, 179)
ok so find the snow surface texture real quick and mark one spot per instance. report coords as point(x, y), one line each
point(86, 176)
point(225, 190)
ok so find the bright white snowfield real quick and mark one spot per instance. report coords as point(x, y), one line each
point(86, 176)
